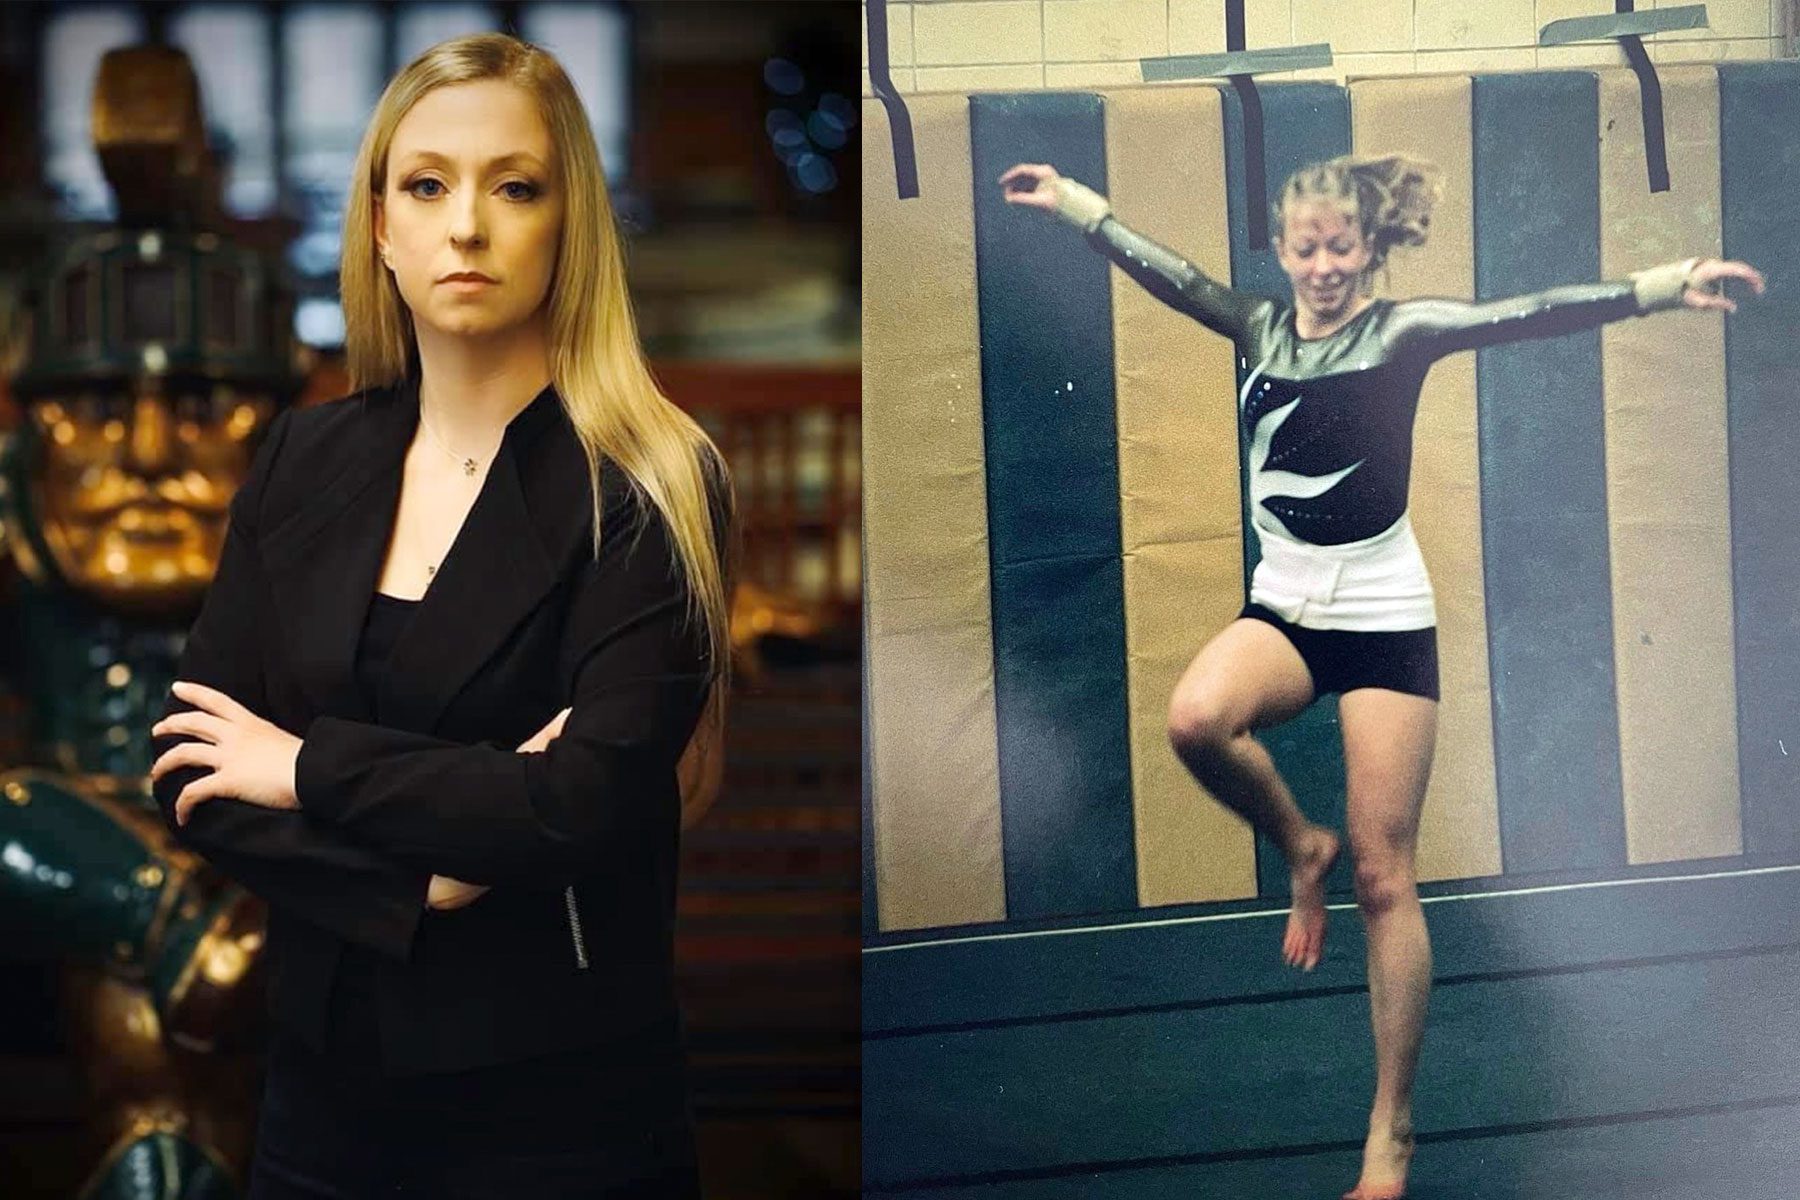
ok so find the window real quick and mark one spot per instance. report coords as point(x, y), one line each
point(230, 49)
point(422, 26)
point(333, 60)
point(74, 41)
point(593, 43)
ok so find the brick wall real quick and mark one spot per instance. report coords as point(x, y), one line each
point(1014, 45)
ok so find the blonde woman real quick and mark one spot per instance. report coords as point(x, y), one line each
point(1340, 602)
point(433, 707)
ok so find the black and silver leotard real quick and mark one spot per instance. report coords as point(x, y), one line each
point(1327, 425)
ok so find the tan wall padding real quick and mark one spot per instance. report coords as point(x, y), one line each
point(934, 758)
point(1459, 833)
point(1668, 487)
point(1180, 519)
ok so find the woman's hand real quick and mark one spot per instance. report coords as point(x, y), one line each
point(1031, 184)
point(446, 893)
point(1708, 272)
point(1037, 185)
point(251, 759)
point(541, 740)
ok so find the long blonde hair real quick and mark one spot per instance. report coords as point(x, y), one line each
point(1390, 197)
point(597, 364)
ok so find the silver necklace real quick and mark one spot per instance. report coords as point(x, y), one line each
point(467, 464)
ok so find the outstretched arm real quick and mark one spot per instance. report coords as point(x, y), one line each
point(1163, 273)
point(1440, 327)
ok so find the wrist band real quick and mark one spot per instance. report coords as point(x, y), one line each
point(1661, 287)
point(1080, 205)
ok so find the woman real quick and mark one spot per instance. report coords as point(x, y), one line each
point(1340, 602)
point(507, 529)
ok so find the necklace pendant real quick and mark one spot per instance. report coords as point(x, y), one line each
point(469, 466)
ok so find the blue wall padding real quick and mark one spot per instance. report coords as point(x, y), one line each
point(1543, 481)
point(1759, 109)
point(1053, 520)
point(1303, 123)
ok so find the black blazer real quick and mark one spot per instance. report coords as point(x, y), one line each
point(573, 946)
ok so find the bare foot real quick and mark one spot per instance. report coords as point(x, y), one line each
point(1304, 942)
point(1386, 1156)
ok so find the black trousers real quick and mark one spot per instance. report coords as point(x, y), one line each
point(573, 1127)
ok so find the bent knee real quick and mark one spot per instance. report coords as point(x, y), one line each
point(1200, 723)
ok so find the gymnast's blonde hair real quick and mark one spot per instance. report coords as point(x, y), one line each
point(1389, 196)
point(597, 364)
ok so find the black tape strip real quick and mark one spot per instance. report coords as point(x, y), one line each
point(906, 167)
point(1656, 153)
point(1256, 183)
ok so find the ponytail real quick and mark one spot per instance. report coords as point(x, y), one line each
point(1397, 194)
point(1390, 195)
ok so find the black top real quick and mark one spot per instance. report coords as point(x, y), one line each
point(524, 618)
point(1327, 422)
point(353, 1030)
point(648, 1085)
point(381, 629)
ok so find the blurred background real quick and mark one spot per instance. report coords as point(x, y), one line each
point(169, 238)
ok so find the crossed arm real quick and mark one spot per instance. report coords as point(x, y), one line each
point(352, 890)
point(599, 791)
point(349, 826)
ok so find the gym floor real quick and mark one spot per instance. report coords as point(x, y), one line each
point(1632, 1037)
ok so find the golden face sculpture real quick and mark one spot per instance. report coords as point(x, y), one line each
point(132, 489)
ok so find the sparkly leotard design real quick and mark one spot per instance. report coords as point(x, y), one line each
point(1327, 426)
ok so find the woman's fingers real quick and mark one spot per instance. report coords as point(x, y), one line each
point(193, 724)
point(194, 795)
point(187, 754)
point(1713, 271)
point(1744, 271)
point(1706, 283)
point(1719, 268)
point(211, 700)
point(543, 737)
point(1699, 297)
point(1030, 184)
point(444, 892)
point(1026, 178)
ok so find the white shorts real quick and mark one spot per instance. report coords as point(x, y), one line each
point(1375, 585)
